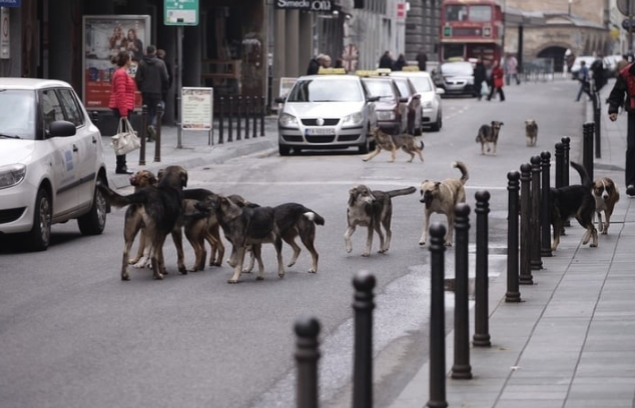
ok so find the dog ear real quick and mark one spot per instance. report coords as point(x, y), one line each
point(183, 178)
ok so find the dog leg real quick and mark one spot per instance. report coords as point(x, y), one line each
point(412, 156)
point(238, 256)
point(256, 253)
point(347, 237)
point(393, 154)
point(449, 232)
point(494, 152)
point(382, 240)
point(426, 223)
point(557, 225)
point(252, 257)
point(598, 215)
point(372, 154)
point(155, 256)
point(420, 155)
point(607, 222)
point(369, 240)
point(124, 263)
point(278, 245)
point(296, 249)
point(483, 148)
point(177, 237)
point(307, 240)
point(140, 250)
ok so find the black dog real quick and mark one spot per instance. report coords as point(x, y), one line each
point(574, 201)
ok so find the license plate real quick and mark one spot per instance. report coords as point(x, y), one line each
point(320, 132)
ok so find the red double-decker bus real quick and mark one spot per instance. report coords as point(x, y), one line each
point(471, 28)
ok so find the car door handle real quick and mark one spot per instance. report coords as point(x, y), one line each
point(75, 149)
point(94, 140)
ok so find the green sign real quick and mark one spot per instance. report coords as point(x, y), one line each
point(180, 12)
point(447, 31)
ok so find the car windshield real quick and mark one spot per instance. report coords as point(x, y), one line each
point(404, 89)
point(380, 87)
point(421, 84)
point(457, 68)
point(316, 90)
point(17, 116)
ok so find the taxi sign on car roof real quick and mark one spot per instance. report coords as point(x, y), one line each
point(332, 71)
point(383, 71)
point(411, 68)
point(366, 73)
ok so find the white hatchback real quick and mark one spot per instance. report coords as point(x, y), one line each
point(430, 97)
point(51, 157)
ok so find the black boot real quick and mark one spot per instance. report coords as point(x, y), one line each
point(121, 165)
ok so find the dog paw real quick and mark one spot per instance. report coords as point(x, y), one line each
point(158, 276)
point(233, 281)
point(290, 264)
point(281, 275)
point(366, 254)
point(183, 270)
point(312, 270)
point(593, 245)
point(448, 244)
point(260, 278)
point(125, 277)
point(422, 243)
point(349, 250)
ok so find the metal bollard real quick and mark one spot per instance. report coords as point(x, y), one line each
point(437, 318)
point(545, 205)
point(566, 142)
point(597, 121)
point(263, 109)
point(307, 355)
point(239, 109)
point(142, 135)
point(587, 147)
point(255, 118)
point(481, 336)
point(559, 161)
point(513, 291)
point(230, 119)
point(221, 119)
point(536, 261)
point(247, 106)
point(364, 283)
point(157, 141)
point(525, 277)
point(461, 370)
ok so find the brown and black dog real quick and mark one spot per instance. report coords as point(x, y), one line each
point(162, 208)
point(488, 135)
point(134, 218)
point(392, 143)
point(606, 195)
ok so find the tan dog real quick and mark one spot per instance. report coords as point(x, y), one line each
point(606, 195)
point(384, 141)
point(134, 219)
point(441, 197)
point(488, 136)
point(531, 132)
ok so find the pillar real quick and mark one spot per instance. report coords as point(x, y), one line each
point(60, 51)
point(279, 40)
point(292, 29)
point(306, 41)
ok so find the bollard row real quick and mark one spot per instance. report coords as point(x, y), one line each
point(240, 114)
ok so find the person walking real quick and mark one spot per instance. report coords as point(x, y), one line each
point(320, 61)
point(623, 95)
point(497, 82)
point(511, 69)
point(168, 66)
point(583, 77)
point(122, 98)
point(386, 60)
point(480, 77)
point(422, 59)
point(400, 63)
point(152, 79)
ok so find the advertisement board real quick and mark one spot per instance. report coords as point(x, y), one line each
point(197, 108)
point(104, 37)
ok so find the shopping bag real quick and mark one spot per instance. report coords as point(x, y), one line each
point(484, 88)
point(126, 139)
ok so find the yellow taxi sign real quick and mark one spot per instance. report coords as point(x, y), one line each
point(332, 71)
point(383, 71)
point(366, 73)
point(411, 68)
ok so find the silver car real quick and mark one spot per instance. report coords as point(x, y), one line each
point(456, 78)
point(430, 97)
point(326, 112)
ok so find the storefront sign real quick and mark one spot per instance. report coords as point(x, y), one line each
point(197, 108)
point(310, 5)
point(10, 3)
point(105, 37)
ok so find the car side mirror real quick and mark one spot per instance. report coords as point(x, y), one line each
point(373, 98)
point(61, 128)
point(440, 91)
point(403, 100)
point(280, 99)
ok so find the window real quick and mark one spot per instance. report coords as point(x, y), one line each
point(17, 116)
point(480, 13)
point(73, 112)
point(51, 107)
point(316, 90)
point(456, 12)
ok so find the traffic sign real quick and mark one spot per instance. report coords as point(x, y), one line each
point(626, 7)
point(180, 12)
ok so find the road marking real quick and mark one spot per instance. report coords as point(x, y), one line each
point(333, 183)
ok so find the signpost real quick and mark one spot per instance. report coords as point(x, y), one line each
point(180, 13)
point(627, 8)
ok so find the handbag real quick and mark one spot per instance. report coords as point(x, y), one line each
point(484, 89)
point(126, 139)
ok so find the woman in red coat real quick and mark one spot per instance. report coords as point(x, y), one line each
point(497, 81)
point(122, 98)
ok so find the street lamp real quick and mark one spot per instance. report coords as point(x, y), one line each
point(570, 1)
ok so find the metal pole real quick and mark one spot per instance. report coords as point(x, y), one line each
point(263, 110)
point(597, 119)
point(221, 126)
point(247, 111)
point(566, 141)
point(536, 260)
point(157, 141)
point(461, 370)
point(525, 277)
point(179, 85)
point(230, 119)
point(513, 290)
point(239, 117)
point(363, 305)
point(630, 26)
point(142, 135)
point(481, 336)
point(559, 162)
point(587, 147)
point(545, 214)
point(307, 355)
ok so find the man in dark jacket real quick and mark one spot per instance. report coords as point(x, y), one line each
point(152, 79)
point(386, 61)
point(480, 76)
point(168, 66)
point(623, 95)
point(422, 59)
point(316, 63)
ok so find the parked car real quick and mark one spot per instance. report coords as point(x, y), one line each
point(326, 112)
point(415, 113)
point(455, 78)
point(575, 68)
point(391, 108)
point(51, 158)
point(430, 97)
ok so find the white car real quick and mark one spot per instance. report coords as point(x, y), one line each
point(51, 157)
point(430, 97)
point(588, 60)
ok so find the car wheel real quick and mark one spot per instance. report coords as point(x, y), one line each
point(94, 221)
point(39, 238)
point(365, 148)
point(284, 150)
point(438, 124)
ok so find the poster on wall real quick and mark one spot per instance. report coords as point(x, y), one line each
point(105, 37)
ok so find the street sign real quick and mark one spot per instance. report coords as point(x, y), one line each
point(626, 23)
point(181, 12)
point(624, 5)
point(9, 3)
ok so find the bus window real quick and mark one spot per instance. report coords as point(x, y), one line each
point(480, 13)
point(452, 50)
point(455, 12)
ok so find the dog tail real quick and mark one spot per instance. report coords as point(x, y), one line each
point(465, 176)
point(584, 176)
point(421, 145)
point(315, 217)
point(403, 191)
point(118, 200)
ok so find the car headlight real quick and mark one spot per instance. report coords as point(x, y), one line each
point(11, 175)
point(352, 119)
point(287, 120)
point(385, 115)
point(427, 104)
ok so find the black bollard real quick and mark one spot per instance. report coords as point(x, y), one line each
point(597, 121)
point(587, 147)
point(566, 142)
point(525, 277)
point(230, 119)
point(221, 126)
point(263, 109)
point(254, 115)
point(307, 355)
point(513, 291)
point(363, 305)
point(481, 336)
point(437, 317)
point(545, 205)
point(142, 135)
point(536, 260)
point(239, 118)
point(247, 111)
point(559, 159)
point(461, 370)
point(157, 140)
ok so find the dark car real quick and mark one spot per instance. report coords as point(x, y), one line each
point(456, 78)
point(391, 109)
point(415, 113)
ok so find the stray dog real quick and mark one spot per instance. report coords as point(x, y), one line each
point(392, 143)
point(488, 135)
point(133, 221)
point(531, 132)
point(162, 208)
point(574, 201)
point(606, 195)
point(441, 197)
point(372, 209)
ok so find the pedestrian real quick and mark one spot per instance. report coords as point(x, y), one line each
point(623, 95)
point(168, 66)
point(325, 62)
point(480, 77)
point(386, 60)
point(152, 79)
point(497, 82)
point(422, 59)
point(122, 98)
point(583, 77)
point(511, 69)
point(400, 63)
point(339, 63)
point(598, 73)
point(621, 65)
point(314, 65)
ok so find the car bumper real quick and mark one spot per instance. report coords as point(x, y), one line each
point(340, 137)
point(430, 115)
point(459, 90)
point(16, 208)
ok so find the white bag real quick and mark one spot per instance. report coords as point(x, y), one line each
point(126, 139)
point(484, 88)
